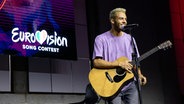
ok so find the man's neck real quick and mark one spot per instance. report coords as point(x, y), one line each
point(116, 33)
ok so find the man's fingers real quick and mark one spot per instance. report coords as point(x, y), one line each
point(143, 80)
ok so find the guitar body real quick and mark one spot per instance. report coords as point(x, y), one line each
point(107, 83)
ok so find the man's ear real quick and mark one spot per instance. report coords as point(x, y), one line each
point(112, 21)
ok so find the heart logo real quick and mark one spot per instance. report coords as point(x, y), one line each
point(41, 36)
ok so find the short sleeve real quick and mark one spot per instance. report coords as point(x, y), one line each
point(98, 47)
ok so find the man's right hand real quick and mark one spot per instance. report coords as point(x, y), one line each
point(126, 65)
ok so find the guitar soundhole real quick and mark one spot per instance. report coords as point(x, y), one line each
point(118, 78)
point(120, 71)
point(120, 74)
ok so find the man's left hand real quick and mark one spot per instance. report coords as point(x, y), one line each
point(142, 79)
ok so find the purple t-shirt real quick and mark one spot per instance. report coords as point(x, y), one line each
point(111, 47)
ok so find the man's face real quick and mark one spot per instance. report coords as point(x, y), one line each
point(120, 20)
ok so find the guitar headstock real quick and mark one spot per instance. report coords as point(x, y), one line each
point(165, 45)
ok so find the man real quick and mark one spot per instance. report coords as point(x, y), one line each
point(113, 44)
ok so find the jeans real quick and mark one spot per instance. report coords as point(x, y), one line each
point(128, 96)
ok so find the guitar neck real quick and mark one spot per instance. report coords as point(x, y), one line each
point(145, 55)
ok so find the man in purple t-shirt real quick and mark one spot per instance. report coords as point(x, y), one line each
point(113, 44)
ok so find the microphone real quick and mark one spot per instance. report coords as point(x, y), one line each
point(129, 26)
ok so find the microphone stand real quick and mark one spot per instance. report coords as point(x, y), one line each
point(135, 62)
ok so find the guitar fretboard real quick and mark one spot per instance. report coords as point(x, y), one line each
point(145, 55)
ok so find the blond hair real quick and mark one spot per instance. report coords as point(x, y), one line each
point(113, 12)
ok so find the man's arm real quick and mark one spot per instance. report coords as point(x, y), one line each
point(100, 63)
point(142, 78)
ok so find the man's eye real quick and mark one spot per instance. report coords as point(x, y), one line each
point(122, 18)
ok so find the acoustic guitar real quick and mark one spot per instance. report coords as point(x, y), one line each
point(107, 83)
